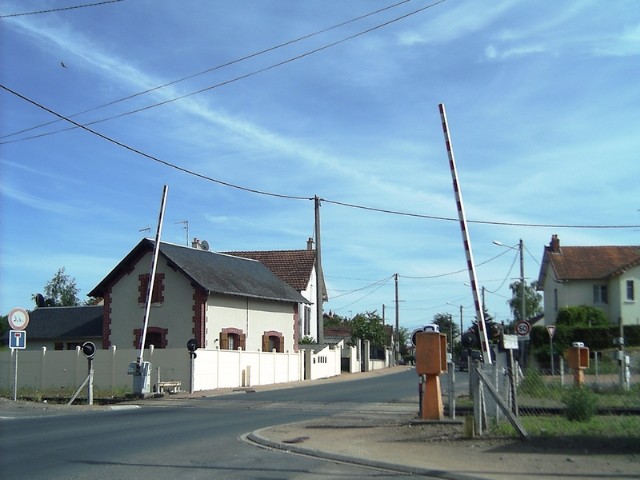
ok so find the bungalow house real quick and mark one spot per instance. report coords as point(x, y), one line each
point(605, 277)
point(219, 300)
point(64, 328)
point(298, 269)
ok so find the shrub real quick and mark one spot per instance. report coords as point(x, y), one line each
point(581, 404)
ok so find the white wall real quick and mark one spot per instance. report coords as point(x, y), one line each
point(51, 370)
point(215, 369)
point(325, 363)
point(629, 311)
point(310, 294)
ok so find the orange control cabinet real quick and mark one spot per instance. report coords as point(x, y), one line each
point(431, 353)
point(578, 357)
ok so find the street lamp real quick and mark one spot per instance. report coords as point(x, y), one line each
point(520, 248)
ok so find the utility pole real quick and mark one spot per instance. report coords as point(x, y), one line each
point(319, 296)
point(397, 337)
point(523, 308)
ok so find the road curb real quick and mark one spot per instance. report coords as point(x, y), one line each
point(256, 438)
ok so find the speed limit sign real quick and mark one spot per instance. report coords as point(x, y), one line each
point(523, 328)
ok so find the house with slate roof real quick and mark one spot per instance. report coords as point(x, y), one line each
point(606, 277)
point(221, 301)
point(298, 269)
point(64, 328)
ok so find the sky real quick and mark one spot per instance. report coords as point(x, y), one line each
point(249, 110)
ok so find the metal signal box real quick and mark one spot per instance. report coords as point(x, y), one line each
point(431, 353)
point(578, 357)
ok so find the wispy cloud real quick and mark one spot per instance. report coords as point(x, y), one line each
point(443, 26)
point(38, 203)
point(624, 44)
point(238, 131)
point(492, 53)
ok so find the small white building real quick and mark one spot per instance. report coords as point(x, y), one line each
point(219, 300)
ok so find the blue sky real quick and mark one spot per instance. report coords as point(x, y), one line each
point(542, 101)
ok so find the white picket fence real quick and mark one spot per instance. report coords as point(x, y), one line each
point(213, 369)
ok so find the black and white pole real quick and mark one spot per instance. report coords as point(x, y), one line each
point(484, 340)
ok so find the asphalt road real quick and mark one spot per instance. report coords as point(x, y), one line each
point(190, 438)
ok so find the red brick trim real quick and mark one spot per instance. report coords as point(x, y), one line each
point(199, 315)
point(296, 322)
point(157, 296)
point(106, 319)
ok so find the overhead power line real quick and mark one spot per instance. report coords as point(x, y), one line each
point(456, 272)
point(291, 197)
point(244, 76)
point(151, 157)
point(208, 70)
point(60, 9)
point(371, 285)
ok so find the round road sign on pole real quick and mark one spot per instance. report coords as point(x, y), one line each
point(18, 318)
point(523, 328)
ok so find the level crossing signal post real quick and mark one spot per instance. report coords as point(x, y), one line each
point(192, 346)
point(89, 351)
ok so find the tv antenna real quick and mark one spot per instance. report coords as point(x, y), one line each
point(186, 227)
point(145, 229)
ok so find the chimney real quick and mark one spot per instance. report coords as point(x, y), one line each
point(310, 244)
point(554, 245)
point(195, 244)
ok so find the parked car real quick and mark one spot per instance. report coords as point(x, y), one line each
point(463, 361)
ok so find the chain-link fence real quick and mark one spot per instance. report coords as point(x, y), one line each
point(600, 401)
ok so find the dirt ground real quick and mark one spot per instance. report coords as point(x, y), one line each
point(442, 449)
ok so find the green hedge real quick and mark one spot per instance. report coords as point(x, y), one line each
point(596, 338)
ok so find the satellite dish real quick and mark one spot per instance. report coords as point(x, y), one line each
point(204, 245)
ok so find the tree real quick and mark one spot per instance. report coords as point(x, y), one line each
point(368, 326)
point(60, 291)
point(532, 301)
point(447, 325)
point(333, 320)
point(403, 339)
point(471, 338)
point(581, 316)
point(4, 327)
